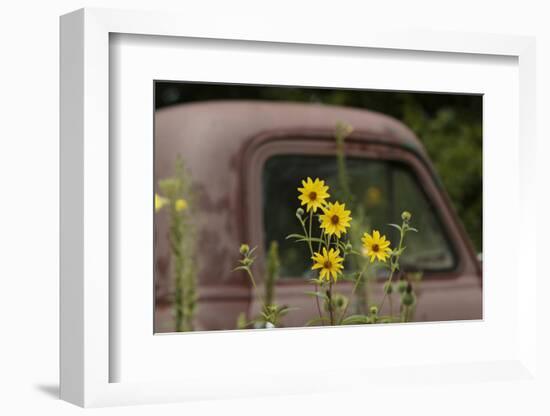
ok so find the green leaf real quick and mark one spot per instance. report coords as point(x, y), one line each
point(355, 320)
point(285, 309)
point(351, 277)
point(315, 240)
point(318, 294)
point(317, 321)
point(386, 319)
point(317, 281)
point(395, 226)
point(398, 252)
point(300, 236)
point(412, 229)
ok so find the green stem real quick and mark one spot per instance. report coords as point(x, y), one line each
point(311, 251)
point(309, 235)
point(393, 265)
point(320, 242)
point(251, 277)
point(357, 281)
point(306, 233)
point(405, 314)
point(256, 293)
point(391, 307)
point(329, 296)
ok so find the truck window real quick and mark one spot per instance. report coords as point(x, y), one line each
point(380, 191)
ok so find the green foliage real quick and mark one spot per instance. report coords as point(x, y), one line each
point(273, 266)
point(182, 244)
point(453, 140)
point(361, 221)
point(242, 323)
point(271, 314)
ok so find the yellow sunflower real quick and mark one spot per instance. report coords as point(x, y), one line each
point(329, 262)
point(374, 195)
point(376, 246)
point(313, 194)
point(181, 204)
point(160, 202)
point(335, 218)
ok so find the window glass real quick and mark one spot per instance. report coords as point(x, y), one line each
point(379, 191)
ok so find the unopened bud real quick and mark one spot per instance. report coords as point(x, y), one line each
point(244, 249)
point(406, 216)
point(402, 286)
point(339, 301)
point(299, 213)
point(374, 310)
point(407, 299)
point(347, 248)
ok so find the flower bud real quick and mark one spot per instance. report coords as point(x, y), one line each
point(402, 286)
point(347, 248)
point(244, 249)
point(339, 301)
point(181, 205)
point(343, 130)
point(374, 310)
point(406, 216)
point(299, 213)
point(407, 299)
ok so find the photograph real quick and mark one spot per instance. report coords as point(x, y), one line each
point(288, 206)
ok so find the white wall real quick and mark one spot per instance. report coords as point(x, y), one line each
point(29, 184)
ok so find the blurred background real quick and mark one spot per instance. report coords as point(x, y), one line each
point(449, 126)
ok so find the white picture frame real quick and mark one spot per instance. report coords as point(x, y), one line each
point(87, 331)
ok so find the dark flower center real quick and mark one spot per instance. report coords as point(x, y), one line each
point(375, 248)
point(313, 196)
point(327, 265)
point(334, 219)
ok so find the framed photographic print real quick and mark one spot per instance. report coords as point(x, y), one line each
point(290, 209)
point(302, 177)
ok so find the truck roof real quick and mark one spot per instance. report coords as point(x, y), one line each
point(236, 121)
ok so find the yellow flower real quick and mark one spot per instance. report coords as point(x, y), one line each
point(160, 202)
point(374, 195)
point(335, 218)
point(181, 204)
point(376, 246)
point(329, 262)
point(313, 194)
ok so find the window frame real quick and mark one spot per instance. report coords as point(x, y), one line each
point(360, 144)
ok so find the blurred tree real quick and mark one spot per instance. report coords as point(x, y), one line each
point(449, 125)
